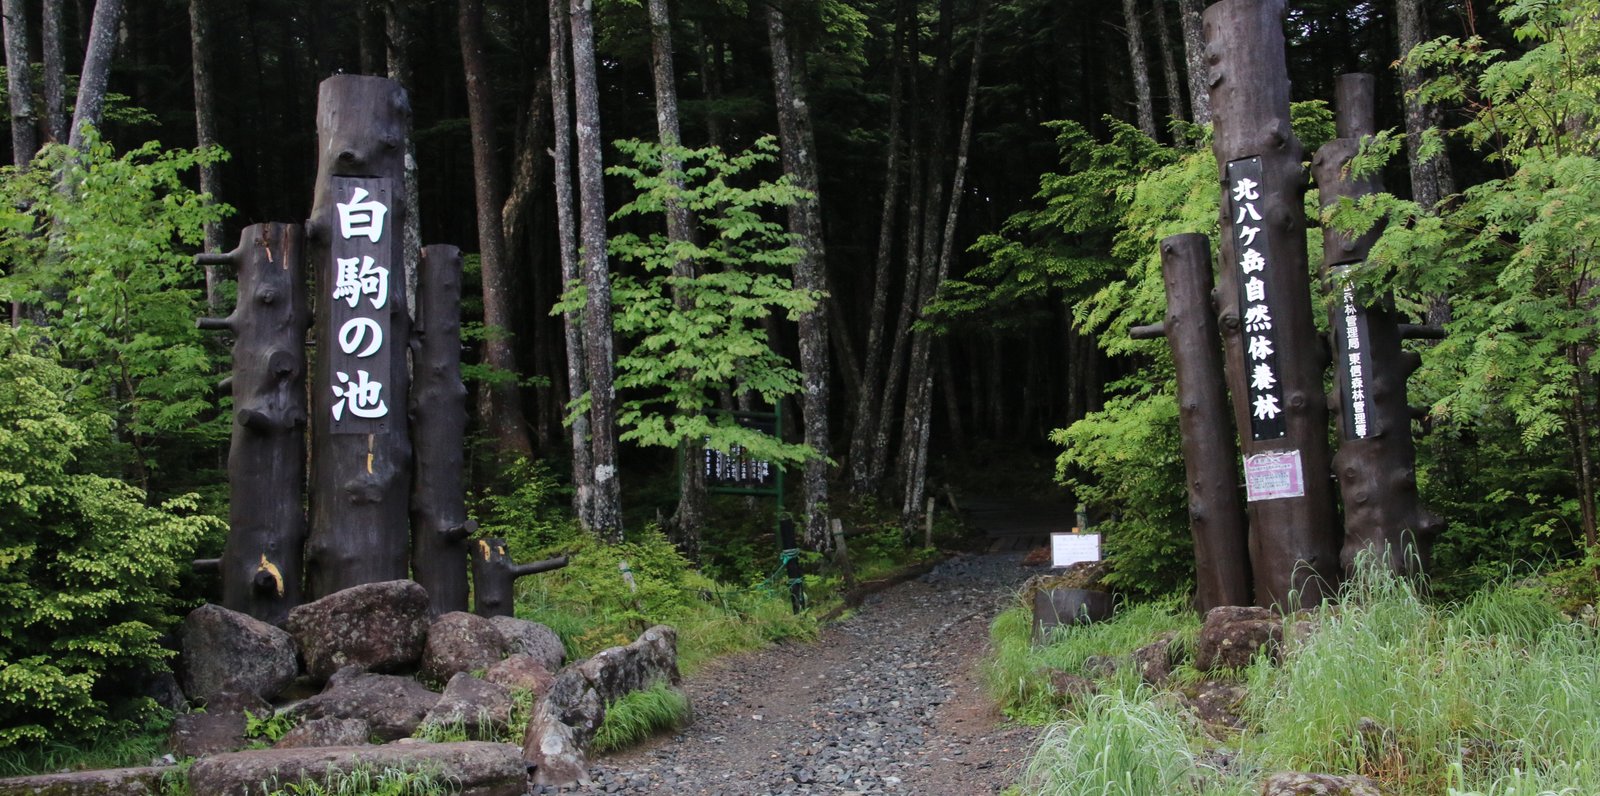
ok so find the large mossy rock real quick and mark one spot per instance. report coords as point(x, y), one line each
point(381, 627)
point(224, 650)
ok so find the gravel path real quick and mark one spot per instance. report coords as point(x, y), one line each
point(889, 701)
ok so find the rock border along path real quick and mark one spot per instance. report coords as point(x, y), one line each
point(888, 701)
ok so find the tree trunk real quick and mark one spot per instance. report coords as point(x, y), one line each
point(397, 29)
point(439, 426)
point(494, 577)
point(205, 125)
point(499, 400)
point(1144, 103)
point(1376, 461)
point(24, 133)
point(1279, 403)
point(691, 513)
point(805, 221)
point(1216, 517)
point(96, 69)
point(917, 472)
point(55, 72)
point(1431, 178)
point(262, 560)
point(1194, 52)
point(599, 360)
point(1169, 66)
point(525, 231)
point(863, 431)
point(361, 447)
point(567, 243)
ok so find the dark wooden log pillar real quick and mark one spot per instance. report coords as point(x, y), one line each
point(494, 577)
point(361, 451)
point(1216, 515)
point(1376, 461)
point(1274, 357)
point(438, 431)
point(261, 562)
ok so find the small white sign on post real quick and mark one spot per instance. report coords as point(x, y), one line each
point(1067, 549)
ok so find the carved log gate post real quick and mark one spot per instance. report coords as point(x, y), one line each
point(361, 451)
point(439, 425)
point(1376, 462)
point(1210, 457)
point(1274, 357)
point(261, 562)
point(494, 577)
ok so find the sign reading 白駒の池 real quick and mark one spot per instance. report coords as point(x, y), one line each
point(359, 336)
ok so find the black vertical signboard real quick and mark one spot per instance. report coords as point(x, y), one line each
point(1260, 336)
point(1350, 345)
point(358, 337)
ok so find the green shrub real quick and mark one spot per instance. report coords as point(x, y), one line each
point(87, 569)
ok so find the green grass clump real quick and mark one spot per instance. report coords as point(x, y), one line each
point(1018, 672)
point(370, 782)
point(1116, 745)
point(1494, 696)
point(639, 715)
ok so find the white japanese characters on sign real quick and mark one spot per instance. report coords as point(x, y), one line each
point(1350, 336)
point(1250, 245)
point(360, 316)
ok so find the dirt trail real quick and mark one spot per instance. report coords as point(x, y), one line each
point(889, 700)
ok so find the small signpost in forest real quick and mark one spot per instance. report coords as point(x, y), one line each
point(737, 472)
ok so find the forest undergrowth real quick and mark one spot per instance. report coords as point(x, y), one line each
point(1488, 696)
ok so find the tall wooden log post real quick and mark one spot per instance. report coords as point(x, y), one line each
point(494, 577)
point(361, 451)
point(1216, 515)
point(1377, 461)
point(261, 562)
point(439, 521)
point(1274, 357)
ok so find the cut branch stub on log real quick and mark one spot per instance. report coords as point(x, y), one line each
point(1274, 356)
point(494, 577)
point(1216, 516)
point(438, 427)
point(361, 451)
point(1376, 461)
point(261, 562)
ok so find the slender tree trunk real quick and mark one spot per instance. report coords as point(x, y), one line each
point(917, 472)
point(1169, 66)
point(805, 221)
point(691, 512)
point(205, 125)
point(599, 360)
point(499, 403)
point(96, 69)
point(397, 31)
point(1144, 104)
point(1431, 178)
point(24, 133)
point(567, 243)
point(523, 228)
point(863, 432)
point(1194, 52)
point(55, 71)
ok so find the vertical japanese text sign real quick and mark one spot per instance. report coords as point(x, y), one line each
point(1260, 338)
point(1350, 340)
point(358, 338)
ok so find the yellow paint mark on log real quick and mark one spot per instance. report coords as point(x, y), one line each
point(369, 454)
point(271, 569)
point(483, 549)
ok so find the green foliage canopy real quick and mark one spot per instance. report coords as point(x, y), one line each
point(87, 569)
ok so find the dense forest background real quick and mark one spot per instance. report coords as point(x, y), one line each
point(978, 167)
